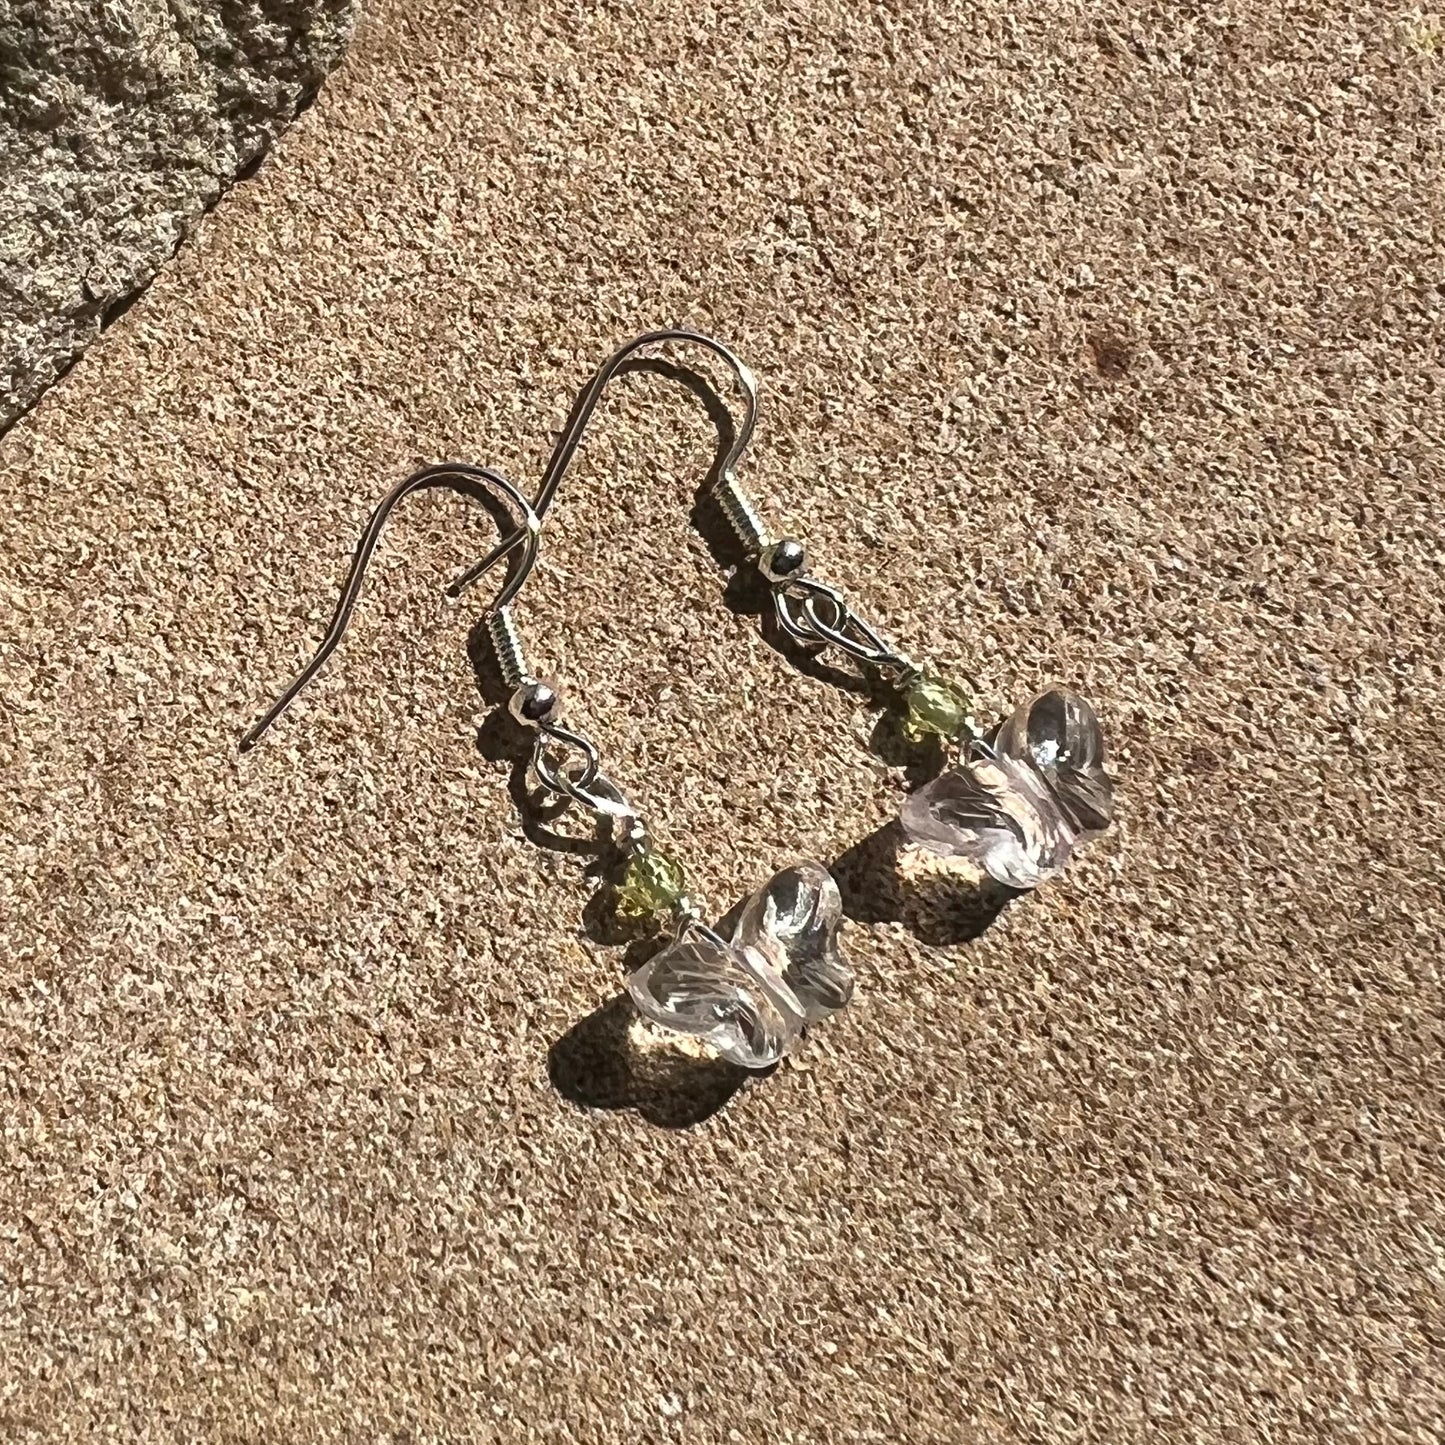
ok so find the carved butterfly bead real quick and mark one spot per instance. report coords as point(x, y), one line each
point(729, 996)
point(795, 921)
point(1019, 808)
point(1058, 733)
point(749, 998)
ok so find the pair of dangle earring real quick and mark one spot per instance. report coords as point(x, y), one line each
point(1015, 806)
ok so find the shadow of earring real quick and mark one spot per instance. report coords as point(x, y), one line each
point(941, 901)
point(614, 1060)
point(921, 758)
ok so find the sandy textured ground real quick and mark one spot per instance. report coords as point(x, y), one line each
point(1099, 345)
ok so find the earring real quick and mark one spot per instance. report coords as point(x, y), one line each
point(1017, 804)
point(748, 997)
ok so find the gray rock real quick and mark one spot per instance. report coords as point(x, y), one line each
point(121, 121)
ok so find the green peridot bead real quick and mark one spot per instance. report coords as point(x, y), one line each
point(934, 706)
point(652, 886)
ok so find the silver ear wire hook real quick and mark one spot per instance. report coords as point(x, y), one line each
point(458, 477)
point(534, 704)
point(739, 511)
point(809, 611)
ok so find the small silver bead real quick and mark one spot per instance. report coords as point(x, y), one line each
point(535, 704)
point(783, 559)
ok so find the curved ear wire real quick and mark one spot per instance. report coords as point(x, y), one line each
point(477, 482)
point(809, 611)
point(739, 511)
point(587, 404)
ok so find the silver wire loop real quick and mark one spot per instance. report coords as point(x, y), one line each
point(591, 787)
point(554, 776)
point(816, 614)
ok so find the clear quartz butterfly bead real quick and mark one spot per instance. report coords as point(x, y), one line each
point(1018, 809)
point(1058, 734)
point(797, 916)
point(730, 997)
point(749, 998)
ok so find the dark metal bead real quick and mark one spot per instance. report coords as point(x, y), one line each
point(783, 559)
point(535, 704)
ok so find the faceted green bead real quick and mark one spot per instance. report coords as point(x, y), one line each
point(651, 887)
point(935, 706)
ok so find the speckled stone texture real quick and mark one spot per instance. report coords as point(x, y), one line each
point(1100, 345)
point(121, 121)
